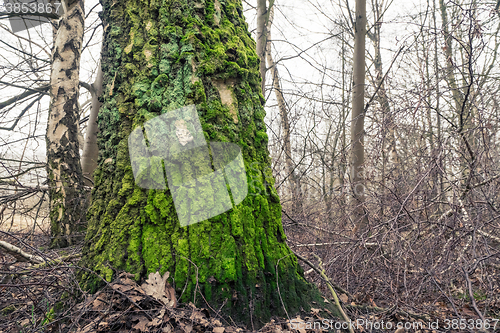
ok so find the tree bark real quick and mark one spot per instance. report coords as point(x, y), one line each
point(64, 170)
point(390, 158)
point(285, 125)
point(358, 118)
point(90, 148)
point(262, 39)
point(158, 57)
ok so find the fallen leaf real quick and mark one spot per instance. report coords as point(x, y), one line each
point(344, 298)
point(298, 324)
point(219, 330)
point(99, 303)
point(157, 287)
point(141, 325)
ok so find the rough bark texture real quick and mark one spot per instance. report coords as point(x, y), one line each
point(358, 117)
point(157, 57)
point(64, 169)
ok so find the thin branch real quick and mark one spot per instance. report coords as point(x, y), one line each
point(27, 93)
point(21, 114)
point(19, 254)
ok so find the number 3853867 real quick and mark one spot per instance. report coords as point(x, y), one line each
point(31, 8)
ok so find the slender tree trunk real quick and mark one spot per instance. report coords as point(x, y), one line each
point(90, 149)
point(438, 111)
point(390, 158)
point(67, 215)
point(463, 109)
point(285, 125)
point(262, 18)
point(358, 118)
point(198, 55)
point(345, 113)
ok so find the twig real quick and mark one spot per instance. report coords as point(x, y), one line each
point(334, 285)
point(278, 286)
point(471, 295)
point(330, 286)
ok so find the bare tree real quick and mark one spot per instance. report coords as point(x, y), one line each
point(357, 159)
point(67, 211)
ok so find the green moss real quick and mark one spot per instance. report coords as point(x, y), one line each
point(233, 256)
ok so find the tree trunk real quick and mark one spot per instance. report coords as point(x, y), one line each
point(64, 170)
point(262, 39)
point(157, 58)
point(463, 107)
point(90, 148)
point(293, 180)
point(390, 158)
point(358, 118)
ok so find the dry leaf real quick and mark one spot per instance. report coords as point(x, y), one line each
point(216, 322)
point(218, 330)
point(99, 303)
point(141, 325)
point(298, 324)
point(157, 287)
point(170, 292)
point(344, 298)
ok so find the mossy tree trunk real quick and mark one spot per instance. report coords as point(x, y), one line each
point(159, 56)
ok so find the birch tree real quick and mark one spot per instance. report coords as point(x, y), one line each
point(63, 157)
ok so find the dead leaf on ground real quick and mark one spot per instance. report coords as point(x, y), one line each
point(298, 324)
point(142, 325)
point(157, 287)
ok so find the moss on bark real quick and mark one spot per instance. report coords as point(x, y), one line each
point(159, 56)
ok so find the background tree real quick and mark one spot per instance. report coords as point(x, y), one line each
point(357, 162)
point(65, 180)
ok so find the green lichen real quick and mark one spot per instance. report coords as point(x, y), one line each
point(232, 257)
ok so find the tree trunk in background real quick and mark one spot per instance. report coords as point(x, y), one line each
point(358, 119)
point(293, 180)
point(158, 57)
point(390, 158)
point(64, 170)
point(465, 112)
point(90, 149)
point(262, 18)
point(437, 96)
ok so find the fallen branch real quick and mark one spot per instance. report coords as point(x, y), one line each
point(330, 286)
point(19, 254)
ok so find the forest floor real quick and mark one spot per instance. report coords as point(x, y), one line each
point(45, 297)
